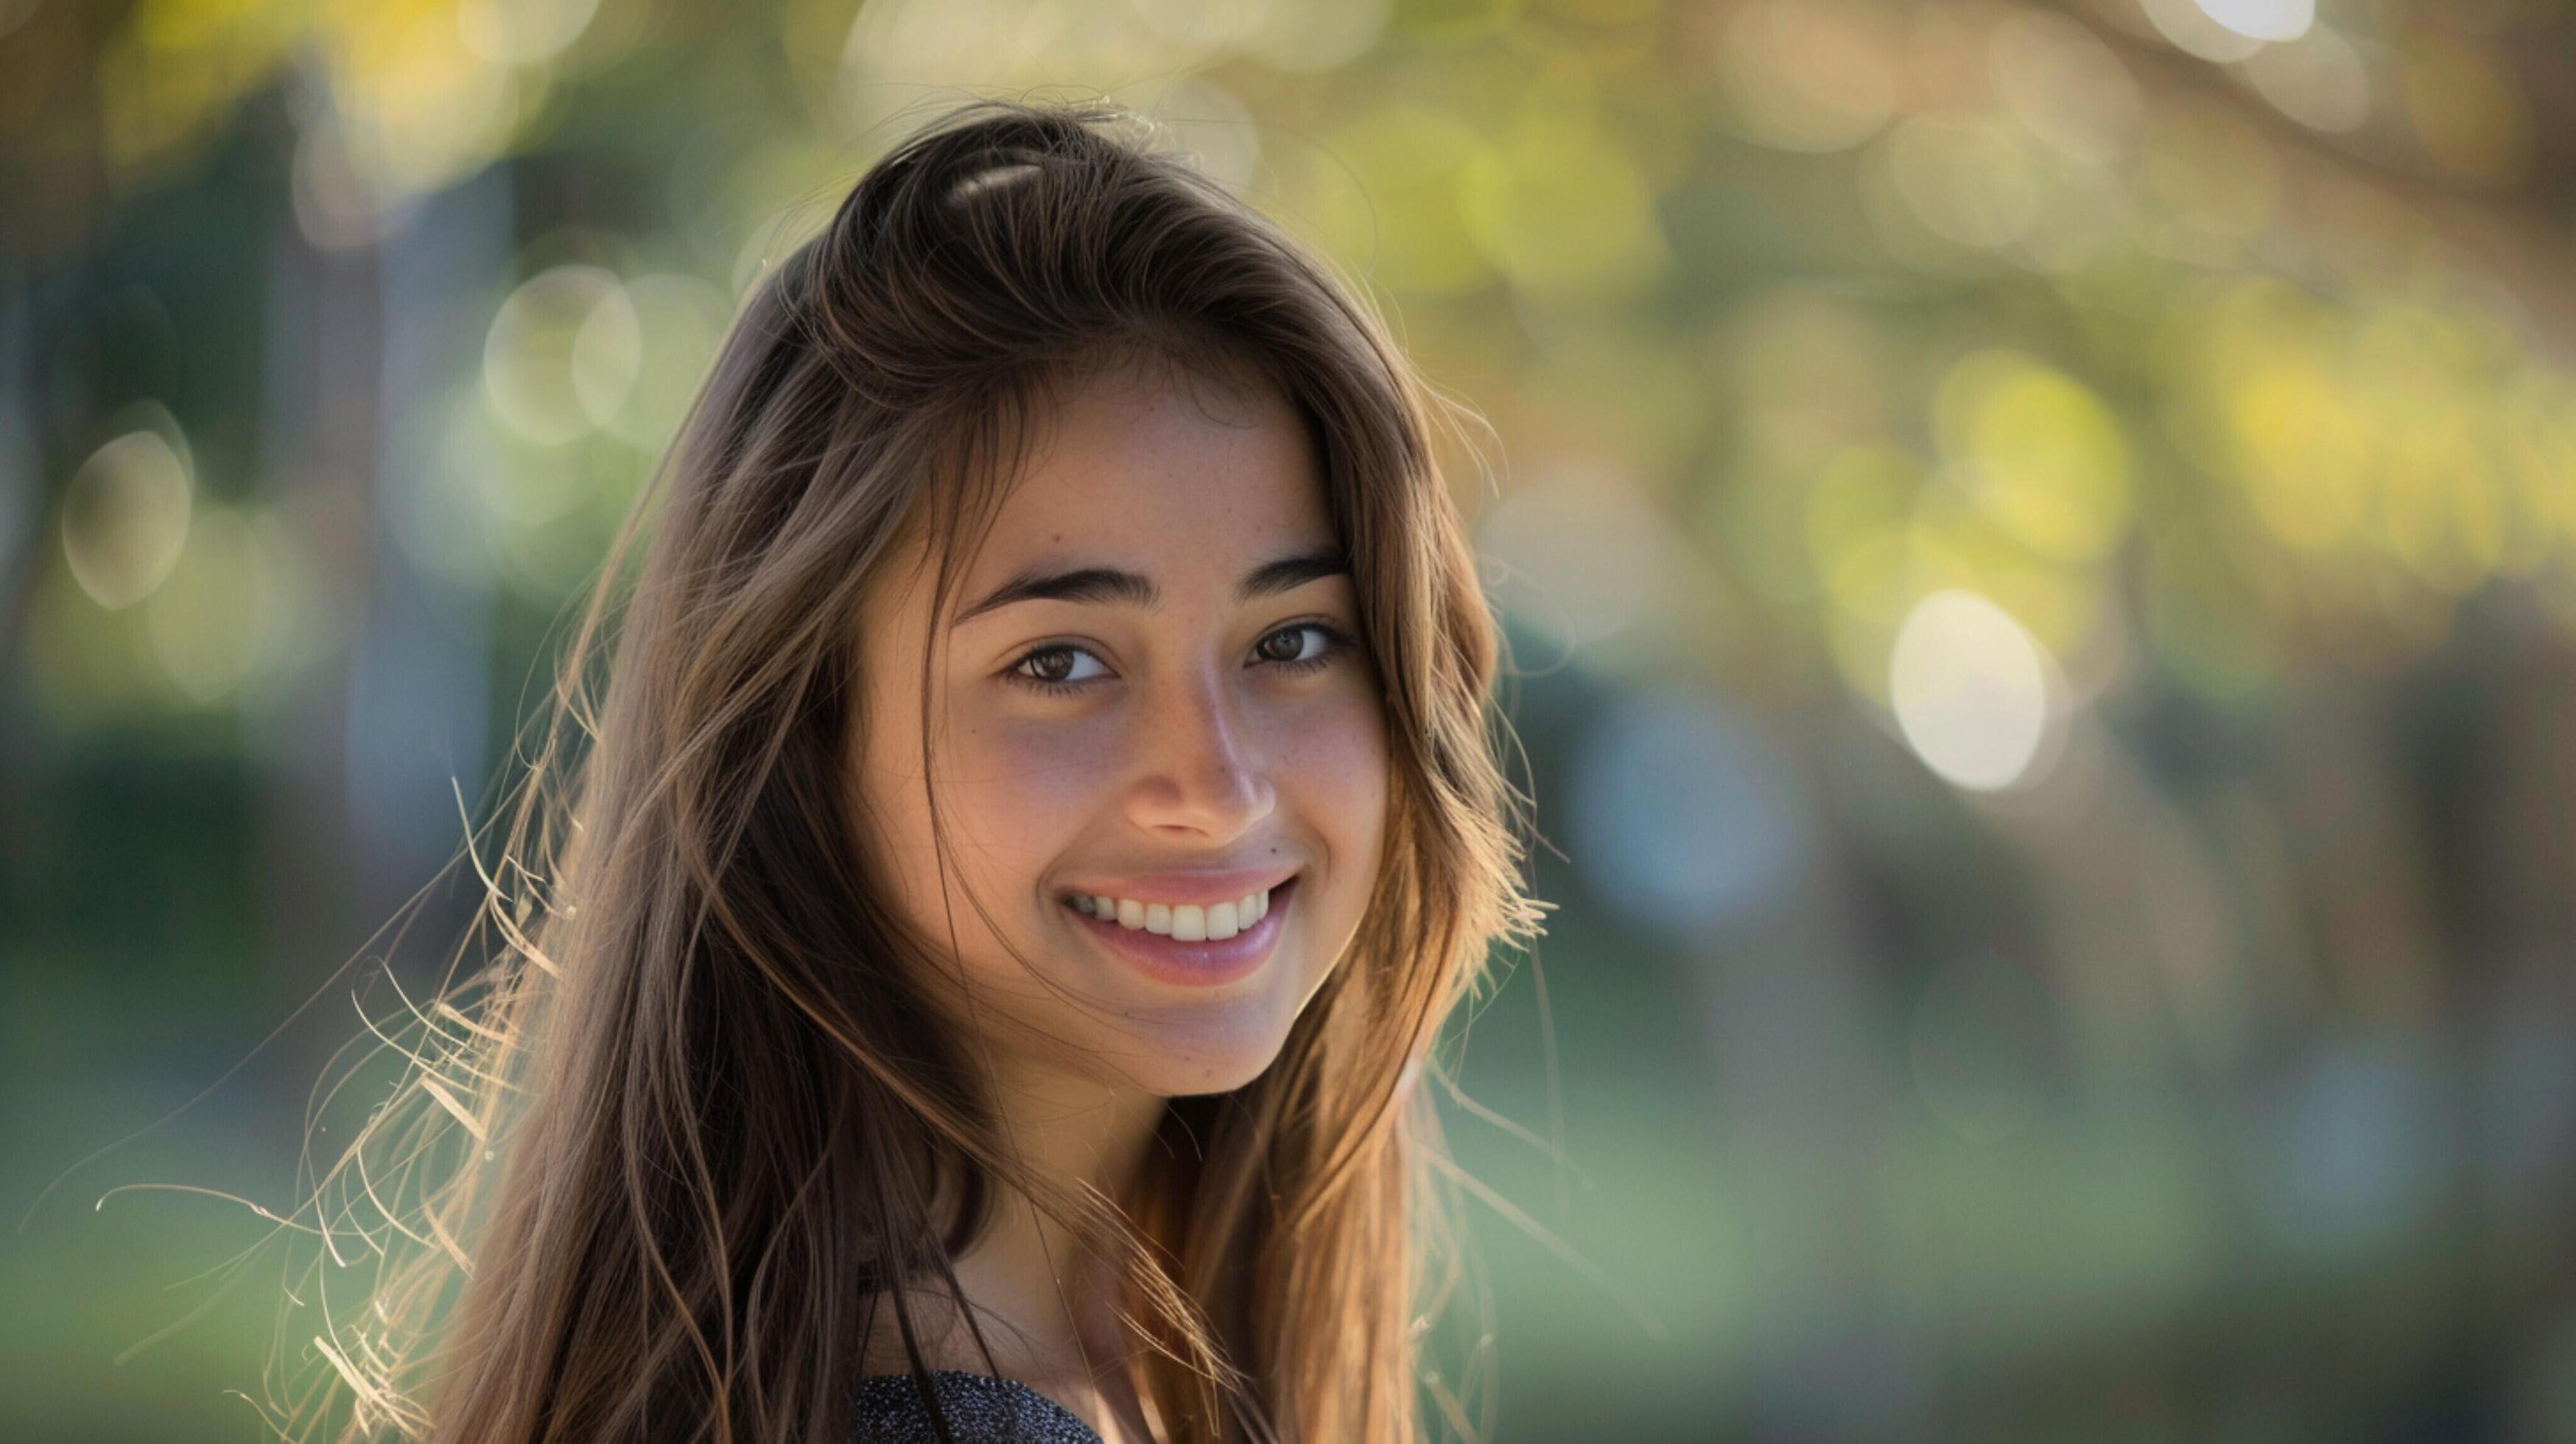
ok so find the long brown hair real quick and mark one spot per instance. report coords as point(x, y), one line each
point(698, 1108)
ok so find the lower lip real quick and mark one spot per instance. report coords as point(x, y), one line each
point(1202, 964)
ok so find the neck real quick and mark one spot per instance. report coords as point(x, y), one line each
point(1045, 1298)
point(1037, 1275)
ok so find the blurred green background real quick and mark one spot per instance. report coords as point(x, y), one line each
point(2037, 539)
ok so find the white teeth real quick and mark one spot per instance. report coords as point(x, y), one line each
point(1187, 922)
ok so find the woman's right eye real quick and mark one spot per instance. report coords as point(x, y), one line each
point(1053, 668)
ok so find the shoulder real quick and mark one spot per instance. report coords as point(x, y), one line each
point(978, 1408)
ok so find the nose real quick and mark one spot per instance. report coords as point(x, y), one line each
point(1198, 779)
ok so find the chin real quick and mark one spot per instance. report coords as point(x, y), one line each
point(1232, 1074)
point(1194, 1059)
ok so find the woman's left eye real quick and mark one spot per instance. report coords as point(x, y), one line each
point(1056, 667)
point(1299, 657)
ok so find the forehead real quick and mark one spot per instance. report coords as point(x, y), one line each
point(1167, 469)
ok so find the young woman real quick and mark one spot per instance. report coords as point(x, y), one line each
point(1042, 806)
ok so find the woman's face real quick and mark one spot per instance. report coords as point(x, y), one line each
point(1149, 689)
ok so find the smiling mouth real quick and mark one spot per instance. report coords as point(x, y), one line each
point(1183, 922)
point(1159, 942)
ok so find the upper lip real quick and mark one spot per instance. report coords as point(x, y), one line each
point(1204, 888)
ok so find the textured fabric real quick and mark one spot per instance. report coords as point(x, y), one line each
point(980, 1408)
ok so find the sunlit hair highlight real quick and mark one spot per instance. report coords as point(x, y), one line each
point(691, 1098)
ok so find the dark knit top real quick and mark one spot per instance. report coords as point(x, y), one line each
point(980, 1410)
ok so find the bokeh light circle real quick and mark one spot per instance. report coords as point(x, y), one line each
point(560, 354)
point(125, 518)
point(1971, 690)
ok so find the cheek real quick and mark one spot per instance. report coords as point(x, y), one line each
point(1332, 760)
point(1006, 803)
point(1014, 792)
point(1005, 797)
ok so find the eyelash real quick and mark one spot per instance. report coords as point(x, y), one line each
point(1335, 641)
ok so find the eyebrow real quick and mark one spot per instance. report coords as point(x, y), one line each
point(1109, 584)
